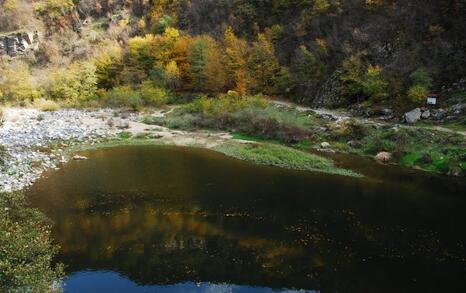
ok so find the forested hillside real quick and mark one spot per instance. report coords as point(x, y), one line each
point(326, 52)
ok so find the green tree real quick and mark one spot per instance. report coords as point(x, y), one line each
point(307, 71)
point(374, 86)
point(263, 65)
point(236, 54)
point(198, 60)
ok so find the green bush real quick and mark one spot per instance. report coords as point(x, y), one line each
point(422, 78)
point(75, 84)
point(154, 96)
point(417, 93)
point(123, 96)
point(26, 250)
point(232, 102)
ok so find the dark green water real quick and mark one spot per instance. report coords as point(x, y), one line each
point(166, 219)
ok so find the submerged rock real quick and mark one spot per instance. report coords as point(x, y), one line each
point(79, 158)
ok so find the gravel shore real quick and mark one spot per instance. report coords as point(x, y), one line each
point(33, 141)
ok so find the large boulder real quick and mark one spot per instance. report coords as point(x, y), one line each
point(413, 116)
point(121, 124)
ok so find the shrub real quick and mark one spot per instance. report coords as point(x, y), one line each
point(417, 93)
point(26, 251)
point(374, 86)
point(46, 105)
point(123, 96)
point(154, 96)
point(77, 83)
point(422, 78)
point(348, 130)
point(2, 155)
point(17, 83)
point(377, 142)
point(229, 103)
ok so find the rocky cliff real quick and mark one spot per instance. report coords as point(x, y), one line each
point(18, 43)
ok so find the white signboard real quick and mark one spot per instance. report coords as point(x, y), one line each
point(431, 101)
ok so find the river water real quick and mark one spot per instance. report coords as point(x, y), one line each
point(172, 219)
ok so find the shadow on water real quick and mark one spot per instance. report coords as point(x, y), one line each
point(174, 218)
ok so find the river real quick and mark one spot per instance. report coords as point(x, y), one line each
point(174, 219)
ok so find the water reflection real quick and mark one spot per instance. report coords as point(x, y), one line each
point(165, 216)
point(102, 281)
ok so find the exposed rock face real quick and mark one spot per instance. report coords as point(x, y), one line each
point(18, 43)
point(328, 95)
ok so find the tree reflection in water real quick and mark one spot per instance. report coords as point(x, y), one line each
point(164, 216)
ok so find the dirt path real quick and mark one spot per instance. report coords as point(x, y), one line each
point(340, 115)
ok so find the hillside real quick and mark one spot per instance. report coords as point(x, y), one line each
point(323, 52)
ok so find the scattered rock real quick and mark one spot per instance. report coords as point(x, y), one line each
point(413, 116)
point(425, 114)
point(122, 124)
point(79, 158)
point(384, 157)
point(325, 145)
point(28, 134)
point(456, 172)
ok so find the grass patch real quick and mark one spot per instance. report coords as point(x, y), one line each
point(251, 117)
point(46, 105)
point(457, 126)
point(124, 135)
point(111, 143)
point(2, 155)
point(269, 123)
point(26, 249)
point(281, 156)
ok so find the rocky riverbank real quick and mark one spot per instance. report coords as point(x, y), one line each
point(33, 141)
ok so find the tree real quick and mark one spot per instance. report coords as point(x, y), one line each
point(198, 60)
point(263, 65)
point(214, 69)
point(108, 65)
point(236, 54)
point(307, 71)
point(373, 85)
point(360, 82)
